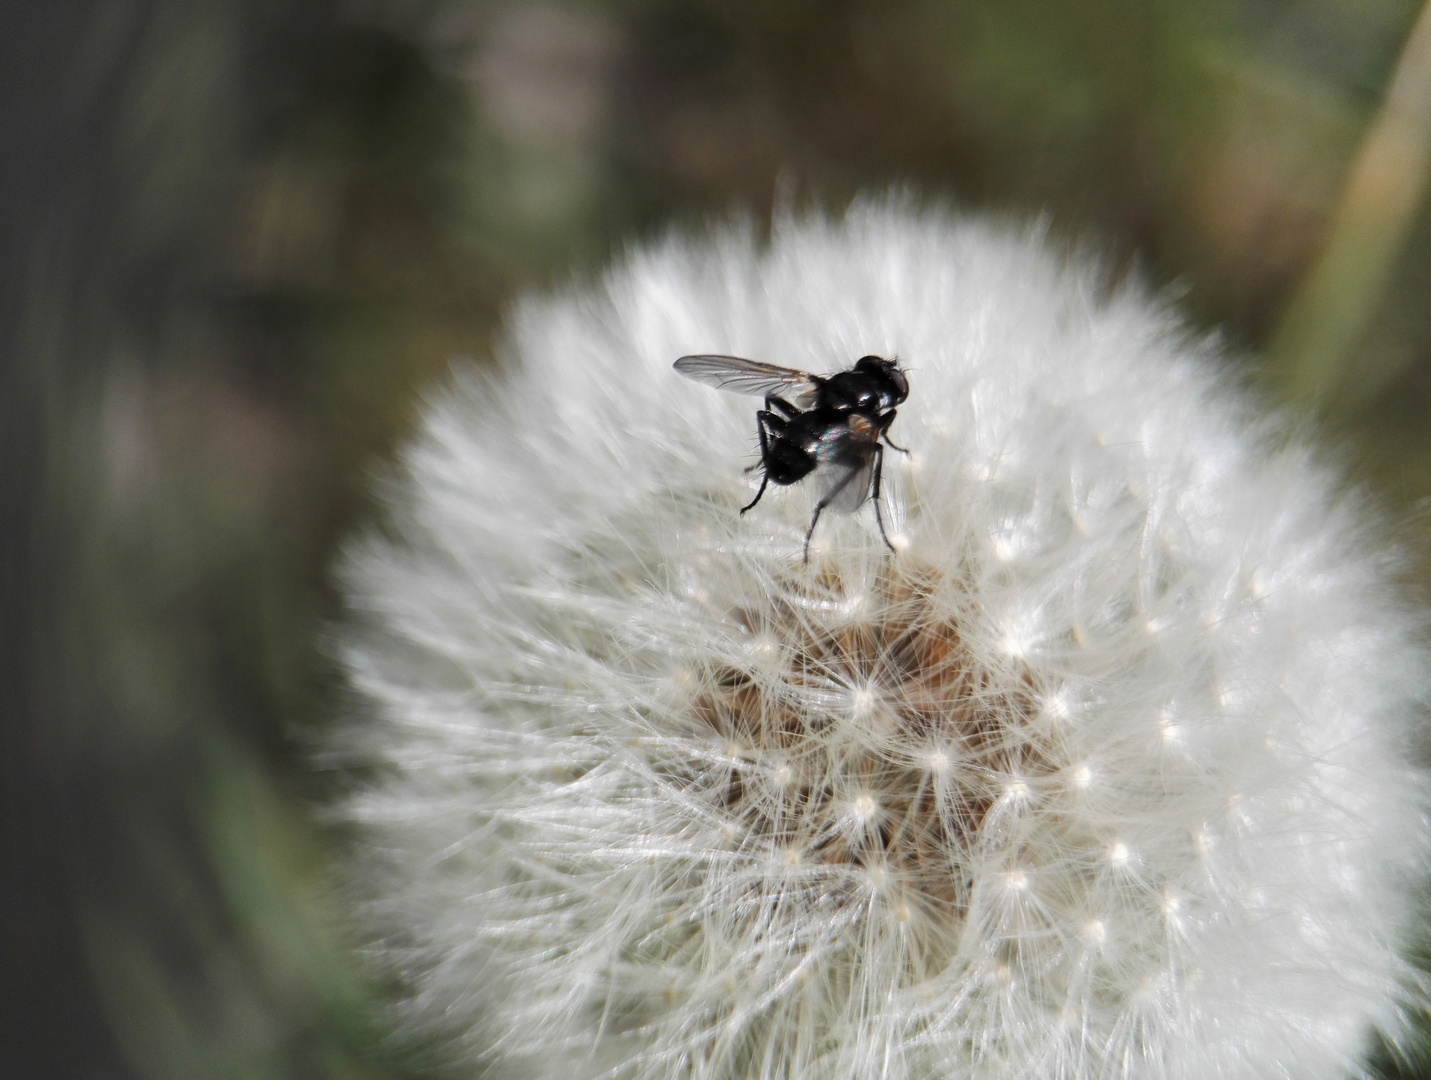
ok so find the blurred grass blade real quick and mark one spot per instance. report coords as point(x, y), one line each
point(1316, 341)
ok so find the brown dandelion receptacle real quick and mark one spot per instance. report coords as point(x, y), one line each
point(876, 744)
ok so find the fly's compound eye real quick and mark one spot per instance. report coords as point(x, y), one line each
point(891, 371)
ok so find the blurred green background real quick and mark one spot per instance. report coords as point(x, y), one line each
point(241, 237)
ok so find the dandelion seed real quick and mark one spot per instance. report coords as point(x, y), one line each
point(1170, 731)
point(863, 807)
point(1057, 707)
point(1257, 585)
point(782, 844)
point(863, 701)
point(766, 648)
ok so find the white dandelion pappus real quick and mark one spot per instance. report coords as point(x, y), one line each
point(1103, 773)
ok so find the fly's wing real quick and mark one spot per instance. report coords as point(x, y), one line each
point(741, 376)
point(845, 471)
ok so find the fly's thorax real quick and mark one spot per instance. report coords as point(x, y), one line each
point(852, 391)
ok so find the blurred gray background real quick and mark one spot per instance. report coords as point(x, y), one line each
point(239, 238)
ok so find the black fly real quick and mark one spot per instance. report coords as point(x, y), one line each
point(827, 424)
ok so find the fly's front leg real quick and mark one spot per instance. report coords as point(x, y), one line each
point(884, 434)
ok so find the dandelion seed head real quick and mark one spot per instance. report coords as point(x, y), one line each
point(646, 796)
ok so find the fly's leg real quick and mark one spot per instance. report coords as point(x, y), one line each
point(770, 422)
point(884, 434)
point(763, 419)
point(776, 409)
point(763, 481)
point(805, 559)
point(829, 498)
point(878, 473)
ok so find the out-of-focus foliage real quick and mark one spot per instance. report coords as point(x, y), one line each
point(242, 236)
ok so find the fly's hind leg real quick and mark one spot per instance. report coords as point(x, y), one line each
point(777, 411)
point(763, 481)
point(763, 420)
